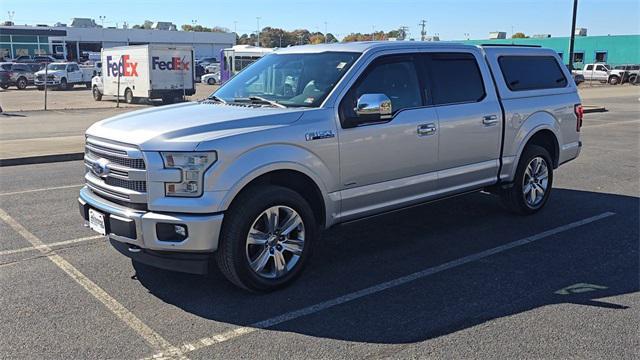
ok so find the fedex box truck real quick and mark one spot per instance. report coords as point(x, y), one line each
point(147, 72)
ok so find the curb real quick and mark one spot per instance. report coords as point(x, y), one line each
point(41, 159)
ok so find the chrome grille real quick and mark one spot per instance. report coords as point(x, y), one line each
point(139, 186)
point(120, 160)
point(115, 171)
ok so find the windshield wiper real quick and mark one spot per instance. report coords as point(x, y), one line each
point(261, 100)
point(218, 99)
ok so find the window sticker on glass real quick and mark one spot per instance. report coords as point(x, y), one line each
point(309, 100)
point(341, 65)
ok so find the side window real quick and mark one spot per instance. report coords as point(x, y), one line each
point(455, 78)
point(589, 67)
point(600, 68)
point(394, 76)
point(532, 72)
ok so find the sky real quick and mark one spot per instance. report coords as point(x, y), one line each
point(449, 19)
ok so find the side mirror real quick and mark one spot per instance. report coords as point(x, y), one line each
point(374, 105)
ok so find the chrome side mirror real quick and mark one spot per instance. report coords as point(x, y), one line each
point(374, 105)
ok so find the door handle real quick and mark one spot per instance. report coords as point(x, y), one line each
point(426, 129)
point(490, 120)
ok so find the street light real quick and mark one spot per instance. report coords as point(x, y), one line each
point(102, 18)
point(258, 32)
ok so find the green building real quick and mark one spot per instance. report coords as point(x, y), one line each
point(611, 49)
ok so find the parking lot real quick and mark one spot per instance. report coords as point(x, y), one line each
point(79, 97)
point(460, 278)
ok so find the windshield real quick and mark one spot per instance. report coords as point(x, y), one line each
point(289, 80)
point(56, 66)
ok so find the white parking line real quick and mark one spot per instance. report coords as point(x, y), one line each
point(155, 340)
point(42, 189)
point(52, 245)
point(231, 334)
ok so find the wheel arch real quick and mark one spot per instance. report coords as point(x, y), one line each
point(540, 129)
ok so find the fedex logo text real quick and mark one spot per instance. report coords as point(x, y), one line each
point(174, 64)
point(121, 67)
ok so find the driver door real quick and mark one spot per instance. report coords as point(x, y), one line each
point(387, 162)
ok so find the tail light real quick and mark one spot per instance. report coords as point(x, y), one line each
point(579, 111)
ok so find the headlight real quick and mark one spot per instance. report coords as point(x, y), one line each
point(193, 165)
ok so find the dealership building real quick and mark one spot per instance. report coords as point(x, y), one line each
point(611, 49)
point(70, 41)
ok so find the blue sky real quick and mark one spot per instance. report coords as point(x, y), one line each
point(451, 19)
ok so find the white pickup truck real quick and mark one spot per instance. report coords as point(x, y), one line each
point(601, 72)
point(64, 75)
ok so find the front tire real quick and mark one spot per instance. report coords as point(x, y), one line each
point(97, 95)
point(128, 96)
point(211, 81)
point(63, 84)
point(532, 184)
point(266, 239)
point(21, 84)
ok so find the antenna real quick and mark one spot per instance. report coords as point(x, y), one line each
point(423, 32)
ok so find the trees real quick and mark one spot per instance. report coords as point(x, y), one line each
point(519, 35)
point(200, 28)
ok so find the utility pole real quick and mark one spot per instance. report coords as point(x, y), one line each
point(404, 31)
point(423, 32)
point(573, 34)
point(258, 32)
point(235, 27)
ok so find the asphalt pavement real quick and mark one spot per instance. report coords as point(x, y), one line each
point(459, 278)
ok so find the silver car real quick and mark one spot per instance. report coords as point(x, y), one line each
point(312, 136)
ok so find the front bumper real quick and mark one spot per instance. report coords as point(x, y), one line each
point(52, 82)
point(135, 233)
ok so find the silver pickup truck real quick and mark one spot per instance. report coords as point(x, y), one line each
point(312, 136)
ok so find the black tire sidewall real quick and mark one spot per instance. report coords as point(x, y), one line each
point(96, 94)
point(21, 83)
point(240, 218)
point(531, 152)
point(128, 96)
point(211, 82)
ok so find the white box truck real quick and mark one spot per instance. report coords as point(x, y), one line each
point(146, 72)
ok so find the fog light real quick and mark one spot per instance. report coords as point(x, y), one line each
point(171, 232)
point(180, 230)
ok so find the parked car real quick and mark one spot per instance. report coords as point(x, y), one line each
point(199, 72)
point(23, 58)
point(22, 74)
point(312, 136)
point(64, 75)
point(5, 75)
point(44, 59)
point(211, 78)
point(630, 73)
point(212, 68)
point(601, 72)
point(206, 61)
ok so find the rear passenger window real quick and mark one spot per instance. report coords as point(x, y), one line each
point(532, 72)
point(455, 78)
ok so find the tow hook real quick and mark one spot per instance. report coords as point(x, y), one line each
point(134, 248)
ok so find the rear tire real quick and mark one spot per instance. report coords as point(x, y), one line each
point(533, 182)
point(4, 86)
point(614, 80)
point(211, 81)
point(248, 237)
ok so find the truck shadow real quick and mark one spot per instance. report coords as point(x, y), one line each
point(580, 266)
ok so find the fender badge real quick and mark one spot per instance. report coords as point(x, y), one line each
point(320, 134)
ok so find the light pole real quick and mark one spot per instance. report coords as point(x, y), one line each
point(325, 32)
point(573, 33)
point(258, 32)
point(466, 35)
point(102, 18)
point(235, 27)
point(193, 24)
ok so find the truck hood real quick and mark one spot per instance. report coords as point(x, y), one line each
point(182, 127)
point(50, 72)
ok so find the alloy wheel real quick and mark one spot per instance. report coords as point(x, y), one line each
point(535, 181)
point(275, 242)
